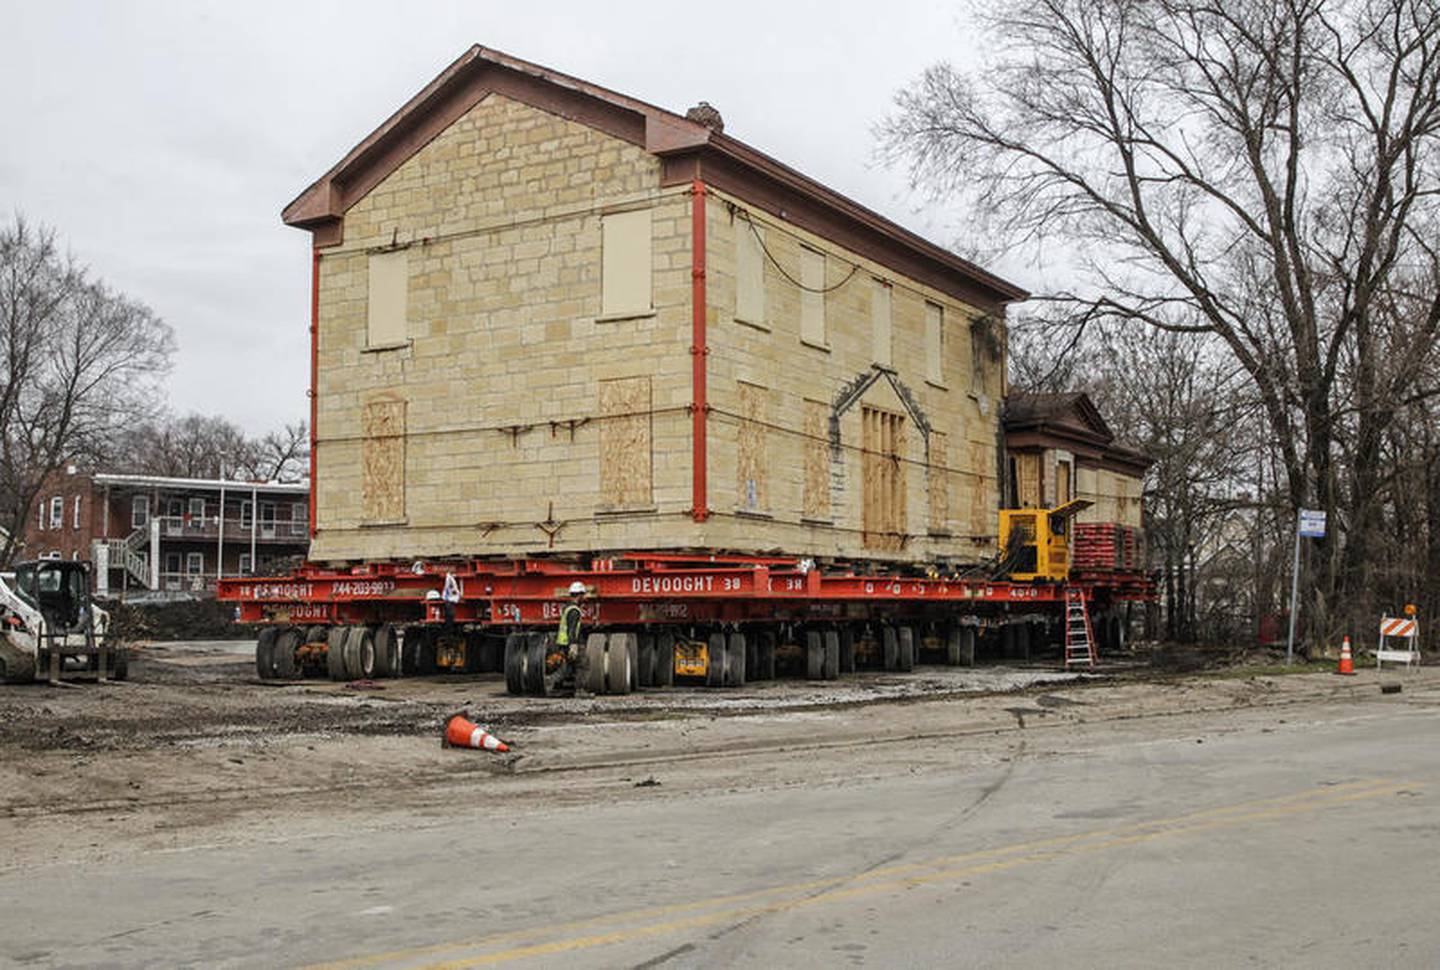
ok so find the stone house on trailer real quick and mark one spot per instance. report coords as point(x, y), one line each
point(1058, 447)
point(164, 536)
point(552, 318)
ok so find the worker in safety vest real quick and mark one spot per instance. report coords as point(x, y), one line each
point(567, 636)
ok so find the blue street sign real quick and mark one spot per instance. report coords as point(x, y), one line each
point(1312, 524)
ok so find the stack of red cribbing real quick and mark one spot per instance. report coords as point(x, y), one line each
point(1107, 547)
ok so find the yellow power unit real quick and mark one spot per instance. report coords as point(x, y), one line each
point(692, 658)
point(1040, 540)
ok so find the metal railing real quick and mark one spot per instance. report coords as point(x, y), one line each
point(238, 530)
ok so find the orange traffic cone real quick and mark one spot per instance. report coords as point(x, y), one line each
point(1347, 665)
point(460, 733)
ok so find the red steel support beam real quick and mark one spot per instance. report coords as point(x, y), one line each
point(314, 371)
point(699, 405)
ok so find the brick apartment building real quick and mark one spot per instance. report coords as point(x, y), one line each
point(166, 536)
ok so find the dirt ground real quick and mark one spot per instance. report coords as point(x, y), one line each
point(194, 741)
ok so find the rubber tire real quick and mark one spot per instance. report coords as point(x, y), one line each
point(814, 655)
point(265, 653)
point(619, 669)
point(715, 669)
point(736, 660)
point(515, 663)
point(646, 673)
point(335, 651)
point(906, 660)
point(967, 646)
point(953, 647)
point(595, 662)
point(664, 670)
point(633, 645)
point(535, 650)
point(387, 651)
point(752, 657)
point(831, 664)
point(890, 648)
point(360, 653)
point(286, 644)
point(1022, 641)
point(847, 650)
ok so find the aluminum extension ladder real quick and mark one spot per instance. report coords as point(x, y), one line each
point(1079, 639)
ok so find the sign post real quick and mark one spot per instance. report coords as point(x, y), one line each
point(1309, 525)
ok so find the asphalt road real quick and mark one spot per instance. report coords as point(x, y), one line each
point(1304, 840)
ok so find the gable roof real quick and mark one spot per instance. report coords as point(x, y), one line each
point(687, 149)
point(1072, 421)
point(1072, 410)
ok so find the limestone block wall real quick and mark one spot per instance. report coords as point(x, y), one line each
point(802, 402)
point(481, 432)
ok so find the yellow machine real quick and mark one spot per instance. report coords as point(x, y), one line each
point(1035, 543)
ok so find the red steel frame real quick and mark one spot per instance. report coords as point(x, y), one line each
point(643, 588)
point(699, 349)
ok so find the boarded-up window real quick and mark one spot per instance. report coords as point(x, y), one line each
point(749, 274)
point(389, 298)
point(382, 456)
point(751, 461)
point(812, 300)
point(982, 517)
point(626, 457)
point(880, 322)
point(1027, 480)
point(625, 263)
point(938, 483)
point(883, 479)
point(934, 343)
point(1062, 482)
point(817, 461)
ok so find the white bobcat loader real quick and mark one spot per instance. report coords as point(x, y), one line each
point(50, 629)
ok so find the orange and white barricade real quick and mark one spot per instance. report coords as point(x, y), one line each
point(1405, 629)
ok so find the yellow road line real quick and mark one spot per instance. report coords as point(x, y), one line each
point(909, 874)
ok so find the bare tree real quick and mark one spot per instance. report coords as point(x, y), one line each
point(210, 446)
point(1261, 172)
point(77, 362)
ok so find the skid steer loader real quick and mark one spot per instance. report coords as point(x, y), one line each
point(51, 629)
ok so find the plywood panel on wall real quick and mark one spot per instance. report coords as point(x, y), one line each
point(883, 479)
point(387, 301)
point(751, 461)
point(1027, 480)
point(938, 482)
point(817, 461)
point(625, 285)
point(383, 460)
point(626, 455)
point(981, 519)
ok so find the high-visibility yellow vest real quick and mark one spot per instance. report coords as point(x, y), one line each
point(562, 638)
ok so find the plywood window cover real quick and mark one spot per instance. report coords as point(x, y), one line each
point(388, 300)
point(813, 331)
point(815, 499)
point(882, 337)
point(382, 451)
point(883, 489)
point(749, 275)
point(934, 344)
point(627, 459)
point(751, 458)
point(626, 265)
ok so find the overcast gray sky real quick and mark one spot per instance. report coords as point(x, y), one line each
point(161, 140)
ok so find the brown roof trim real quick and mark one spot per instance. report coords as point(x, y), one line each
point(804, 186)
point(688, 149)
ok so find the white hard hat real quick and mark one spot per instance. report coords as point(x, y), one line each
point(432, 594)
point(577, 588)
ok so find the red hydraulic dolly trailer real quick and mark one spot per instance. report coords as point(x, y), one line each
point(656, 619)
